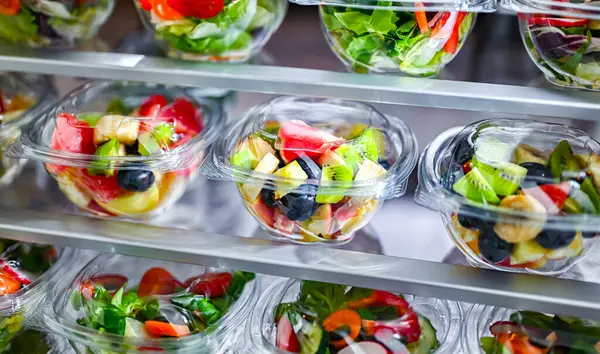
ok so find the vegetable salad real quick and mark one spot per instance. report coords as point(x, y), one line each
point(388, 41)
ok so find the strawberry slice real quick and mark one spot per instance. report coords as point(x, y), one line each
point(197, 8)
point(152, 106)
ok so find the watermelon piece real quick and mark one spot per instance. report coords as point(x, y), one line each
point(264, 212)
point(297, 138)
point(186, 119)
point(72, 135)
point(102, 188)
point(152, 106)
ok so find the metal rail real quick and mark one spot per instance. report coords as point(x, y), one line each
point(472, 96)
point(368, 270)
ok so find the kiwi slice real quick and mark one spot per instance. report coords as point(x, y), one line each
point(341, 173)
point(562, 159)
point(371, 144)
point(504, 177)
point(100, 166)
point(147, 144)
point(474, 186)
point(526, 153)
point(588, 188)
point(350, 155)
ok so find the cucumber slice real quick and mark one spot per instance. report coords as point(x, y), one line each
point(312, 338)
point(428, 341)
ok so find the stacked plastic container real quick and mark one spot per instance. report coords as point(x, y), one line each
point(563, 39)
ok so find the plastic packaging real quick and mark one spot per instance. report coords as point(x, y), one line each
point(220, 31)
point(395, 41)
point(26, 270)
point(408, 5)
point(314, 170)
point(123, 149)
point(122, 304)
point(55, 23)
point(532, 193)
point(21, 98)
point(490, 330)
point(303, 316)
point(562, 39)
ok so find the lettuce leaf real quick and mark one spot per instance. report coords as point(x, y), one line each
point(20, 27)
point(362, 48)
point(84, 21)
point(354, 21)
point(382, 21)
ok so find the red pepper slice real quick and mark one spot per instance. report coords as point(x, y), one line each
point(157, 281)
point(452, 43)
point(210, 284)
point(440, 23)
point(15, 273)
point(8, 284)
point(421, 17)
point(558, 22)
point(9, 7)
point(2, 108)
point(146, 4)
point(197, 8)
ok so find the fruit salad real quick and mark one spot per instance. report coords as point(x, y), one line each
point(383, 40)
point(566, 49)
point(123, 150)
point(126, 304)
point(51, 22)
point(21, 286)
point(319, 318)
point(212, 30)
point(521, 195)
point(502, 331)
point(316, 180)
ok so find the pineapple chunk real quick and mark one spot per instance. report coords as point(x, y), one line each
point(122, 128)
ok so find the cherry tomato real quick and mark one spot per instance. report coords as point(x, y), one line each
point(198, 8)
point(8, 284)
point(209, 284)
point(286, 338)
point(164, 11)
point(157, 281)
point(9, 7)
point(146, 4)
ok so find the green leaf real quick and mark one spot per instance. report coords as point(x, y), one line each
point(406, 27)
point(129, 300)
point(534, 319)
point(100, 294)
point(362, 48)
point(117, 106)
point(113, 320)
point(355, 21)
point(572, 64)
point(331, 22)
point(150, 310)
point(384, 313)
point(197, 303)
point(238, 282)
point(357, 293)
point(366, 314)
point(321, 298)
point(19, 28)
point(491, 346)
point(382, 21)
point(118, 297)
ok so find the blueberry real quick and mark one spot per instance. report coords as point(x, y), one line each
point(309, 167)
point(268, 197)
point(475, 218)
point(537, 174)
point(552, 239)
point(135, 180)
point(464, 152)
point(493, 248)
point(300, 204)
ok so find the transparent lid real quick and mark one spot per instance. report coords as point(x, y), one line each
point(493, 330)
point(105, 125)
point(409, 6)
point(330, 148)
point(314, 317)
point(130, 304)
point(519, 176)
point(25, 269)
point(21, 98)
point(556, 13)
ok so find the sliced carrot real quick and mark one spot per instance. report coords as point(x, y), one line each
point(8, 284)
point(452, 43)
point(9, 7)
point(369, 327)
point(421, 17)
point(343, 318)
point(165, 329)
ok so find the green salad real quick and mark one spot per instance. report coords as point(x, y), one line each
point(388, 41)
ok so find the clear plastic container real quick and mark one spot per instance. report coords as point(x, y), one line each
point(312, 317)
point(515, 195)
point(55, 23)
point(123, 304)
point(219, 31)
point(314, 170)
point(563, 39)
point(21, 98)
point(123, 149)
point(409, 5)
point(26, 270)
point(490, 330)
point(386, 40)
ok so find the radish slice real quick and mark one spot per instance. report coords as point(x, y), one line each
point(366, 348)
point(387, 338)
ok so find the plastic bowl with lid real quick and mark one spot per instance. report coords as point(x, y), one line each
point(123, 304)
point(21, 98)
point(122, 149)
point(400, 39)
point(563, 39)
point(218, 30)
point(26, 271)
point(315, 170)
point(515, 195)
point(313, 317)
point(498, 330)
point(54, 23)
